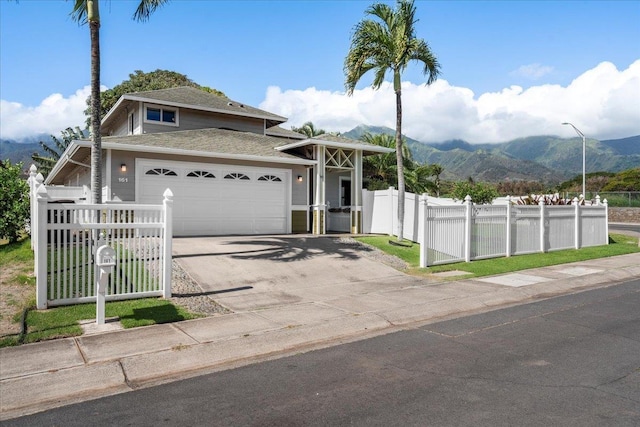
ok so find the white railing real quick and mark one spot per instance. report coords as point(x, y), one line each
point(465, 232)
point(65, 237)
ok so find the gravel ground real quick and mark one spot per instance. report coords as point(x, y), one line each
point(188, 294)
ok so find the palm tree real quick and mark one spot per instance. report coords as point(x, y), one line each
point(436, 170)
point(417, 177)
point(308, 129)
point(389, 44)
point(87, 11)
point(382, 168)
point(54, 149)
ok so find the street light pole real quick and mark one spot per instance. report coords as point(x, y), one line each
point(584, 158)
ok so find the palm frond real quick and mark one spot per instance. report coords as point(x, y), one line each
point(146, 8)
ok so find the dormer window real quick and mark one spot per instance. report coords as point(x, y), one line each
point(160, 115)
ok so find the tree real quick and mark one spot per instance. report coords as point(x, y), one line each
point(417, 178)
point(380, 170)
point(140, 81)
point(628, 180)
point(14, 201)
point(481, 194)
point(389, 44)
point(87, 12)
point(308, 129)
point(436, 170)
point(55, 148)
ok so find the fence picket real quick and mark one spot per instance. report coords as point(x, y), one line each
point(446, 235)
point(65, 241)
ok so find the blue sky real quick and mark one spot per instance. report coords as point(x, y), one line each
point(509, 68)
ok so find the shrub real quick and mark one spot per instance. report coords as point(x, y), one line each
point(481, 194)
point(14, 201)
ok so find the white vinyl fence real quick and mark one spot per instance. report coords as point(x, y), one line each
point(65, 236)
point(465, 232)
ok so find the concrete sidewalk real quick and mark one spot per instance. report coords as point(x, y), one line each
point(39, 376)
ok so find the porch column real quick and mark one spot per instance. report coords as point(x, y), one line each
point(356, 194)
point(319, 206)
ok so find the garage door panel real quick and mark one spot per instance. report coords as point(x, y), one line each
point(268, 226)
point(214, 206)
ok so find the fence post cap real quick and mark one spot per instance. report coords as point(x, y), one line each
point(39, 178)
point(168, 194)
point(33, 169)
point(605, 202)
point(467, 198)
point(42, 192)
point(575, 200)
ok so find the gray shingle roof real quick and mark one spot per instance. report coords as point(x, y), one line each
point(285, 133)
point(199, 99)
point(219, 141)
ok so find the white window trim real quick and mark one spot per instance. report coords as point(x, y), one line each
point(340, 180)
point(161, 108)
point(131, 126)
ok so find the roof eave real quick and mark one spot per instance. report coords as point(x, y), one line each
point(195, 153)
point(333, 144)
point(132, 97)
point(63, 160)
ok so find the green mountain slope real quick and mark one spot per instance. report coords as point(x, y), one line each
point(548, 159)
point(566, 154)
point(16, 152)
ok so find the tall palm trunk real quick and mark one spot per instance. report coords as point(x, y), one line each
point(399, 159)
point(93, 18)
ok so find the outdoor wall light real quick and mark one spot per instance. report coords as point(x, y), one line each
point(123, 167)
point(299, 178)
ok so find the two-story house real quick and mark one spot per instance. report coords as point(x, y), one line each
point(231, 167)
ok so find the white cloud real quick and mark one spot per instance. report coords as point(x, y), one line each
point(533, 71)
point(54, 114)
point(603, 103)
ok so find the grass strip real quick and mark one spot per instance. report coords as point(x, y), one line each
point(62, 322)
point(619, 244)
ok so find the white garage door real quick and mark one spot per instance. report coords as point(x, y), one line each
point(214, 199)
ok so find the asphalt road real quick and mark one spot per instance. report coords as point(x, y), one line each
point(567, 361)
point(630, 229)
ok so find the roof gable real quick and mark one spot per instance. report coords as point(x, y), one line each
point(196, 99)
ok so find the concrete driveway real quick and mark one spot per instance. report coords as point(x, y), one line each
point(247, 273)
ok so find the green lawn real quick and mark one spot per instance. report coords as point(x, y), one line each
point(61, 322)
point(16, 264)
point(618, 245)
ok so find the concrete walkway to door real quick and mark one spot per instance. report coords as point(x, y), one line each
point(246, 273)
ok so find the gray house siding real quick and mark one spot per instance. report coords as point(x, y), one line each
point(193, 119)
point(188, 119)
point(123, 183)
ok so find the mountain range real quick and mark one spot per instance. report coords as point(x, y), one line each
point(548, 159)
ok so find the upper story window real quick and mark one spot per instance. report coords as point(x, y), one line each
point(161, 115)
